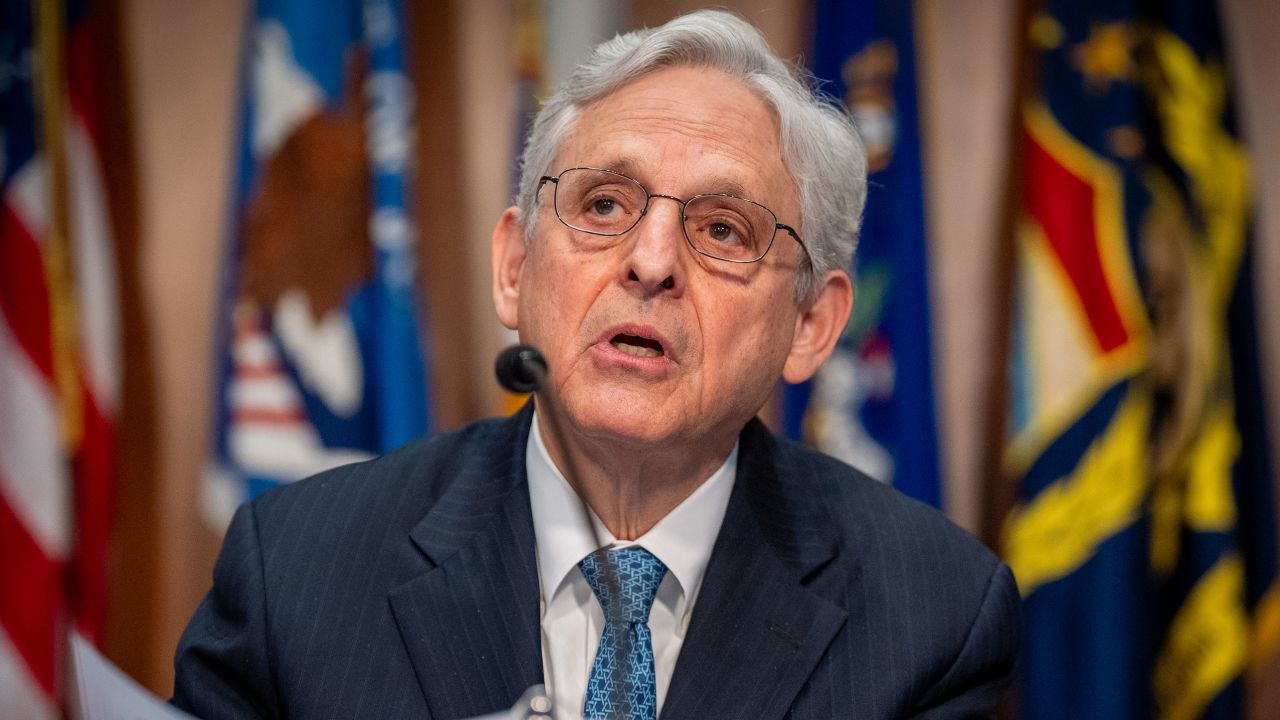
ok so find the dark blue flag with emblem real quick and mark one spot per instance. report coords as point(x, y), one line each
point(872, 404)
point(1142, 533)
point(320, 352)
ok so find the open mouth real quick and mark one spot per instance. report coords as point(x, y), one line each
point(637, 346)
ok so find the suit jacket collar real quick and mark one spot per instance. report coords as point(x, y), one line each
point(470, 619)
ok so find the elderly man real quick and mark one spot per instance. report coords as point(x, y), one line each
point(634, 539)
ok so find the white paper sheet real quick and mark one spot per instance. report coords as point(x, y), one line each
point(102, 691)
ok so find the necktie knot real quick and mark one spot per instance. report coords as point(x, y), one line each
point(637, 574)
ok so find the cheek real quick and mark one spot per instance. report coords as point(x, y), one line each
point(555, 298)
point(779, 329)
point(537, 306)
point(755, 337)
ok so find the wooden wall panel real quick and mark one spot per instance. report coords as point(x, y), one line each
point(182, 64)
point(441, 208)
point(784, 24)
point(133, 578)
point(966, 84)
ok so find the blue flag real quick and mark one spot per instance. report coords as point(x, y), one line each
point(320, 349)
point(1142, 535)
point(872, 404)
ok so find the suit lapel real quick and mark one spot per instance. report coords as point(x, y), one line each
point(757, 632)
point(470, 621)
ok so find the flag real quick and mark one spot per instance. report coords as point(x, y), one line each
point(872, 404)
point(320, 349)
point(59, 352)
point(1141, 535)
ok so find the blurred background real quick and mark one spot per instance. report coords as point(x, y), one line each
point(245, 240)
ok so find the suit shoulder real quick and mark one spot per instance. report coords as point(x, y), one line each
point(397, 487)
point(868, 513)
point(918, 578)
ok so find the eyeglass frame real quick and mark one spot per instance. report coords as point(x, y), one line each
point(684, 204)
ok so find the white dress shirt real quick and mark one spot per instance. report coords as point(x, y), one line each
point(572, 619)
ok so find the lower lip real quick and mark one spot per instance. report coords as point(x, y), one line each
point(609, 356)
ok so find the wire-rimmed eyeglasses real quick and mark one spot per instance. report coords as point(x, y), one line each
point(609, 204)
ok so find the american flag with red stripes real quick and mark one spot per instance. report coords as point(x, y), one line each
point(59, 351)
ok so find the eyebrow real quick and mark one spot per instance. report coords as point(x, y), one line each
point(716, 186)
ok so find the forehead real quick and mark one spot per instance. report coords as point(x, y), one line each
point(685, 130)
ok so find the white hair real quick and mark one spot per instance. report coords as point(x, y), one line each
point(820, 146)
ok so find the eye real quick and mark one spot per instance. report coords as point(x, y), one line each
point(606, 202)
point(722, 230)
point(603, 206)
point(727, 227)
point(723, 233)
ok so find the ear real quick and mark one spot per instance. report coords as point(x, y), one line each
point(508, 261)
point(818, 327)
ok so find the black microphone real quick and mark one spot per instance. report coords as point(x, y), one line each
point(520, 368)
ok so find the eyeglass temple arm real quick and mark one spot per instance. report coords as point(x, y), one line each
point(792, 230)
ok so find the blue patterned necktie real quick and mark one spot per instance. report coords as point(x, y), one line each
point(622, 683)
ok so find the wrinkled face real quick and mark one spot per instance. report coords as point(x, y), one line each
point(648, 341)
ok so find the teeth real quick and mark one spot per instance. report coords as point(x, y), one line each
point(637, 350)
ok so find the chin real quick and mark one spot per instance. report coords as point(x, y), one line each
point(623, 420)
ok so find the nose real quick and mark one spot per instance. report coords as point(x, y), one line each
point(655, 257)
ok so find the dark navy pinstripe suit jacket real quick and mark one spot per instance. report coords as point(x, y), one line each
point(406, 587)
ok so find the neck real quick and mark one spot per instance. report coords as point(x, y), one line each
point(629, 487)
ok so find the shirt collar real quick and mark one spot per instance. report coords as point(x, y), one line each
point(682, 540)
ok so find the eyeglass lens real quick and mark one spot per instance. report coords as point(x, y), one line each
point(609, 204)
